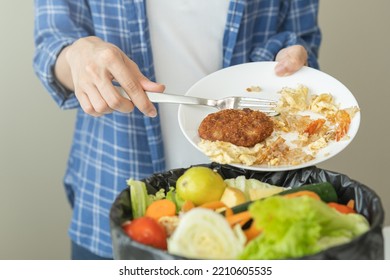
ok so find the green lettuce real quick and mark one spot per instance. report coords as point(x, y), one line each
point(292, 228)
point(138, 197)
point(160, 194)
point(175, 198)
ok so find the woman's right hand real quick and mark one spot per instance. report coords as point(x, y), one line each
point(89, 66)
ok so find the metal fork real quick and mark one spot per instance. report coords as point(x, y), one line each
point(234, 102)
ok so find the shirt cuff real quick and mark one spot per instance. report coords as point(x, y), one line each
point(44, 61)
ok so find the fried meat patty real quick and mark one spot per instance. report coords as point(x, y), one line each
point(244, 127)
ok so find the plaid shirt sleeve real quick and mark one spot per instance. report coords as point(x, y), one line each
point(298, 27)
point(257, 30)
point(57, 25)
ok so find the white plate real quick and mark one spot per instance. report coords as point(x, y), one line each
point(236, 79)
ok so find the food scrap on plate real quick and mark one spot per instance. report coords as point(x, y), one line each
point(306, 124)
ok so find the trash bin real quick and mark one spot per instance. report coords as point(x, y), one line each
point(368, 246)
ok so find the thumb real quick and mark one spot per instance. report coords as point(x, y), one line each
point(145, 83)
point(285, 67)
point(149, 85)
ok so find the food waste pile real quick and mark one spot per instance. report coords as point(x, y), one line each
point(205, 216)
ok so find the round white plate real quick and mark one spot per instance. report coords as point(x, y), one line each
point(233, 81)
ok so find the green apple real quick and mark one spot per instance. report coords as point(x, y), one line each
point(200, 184)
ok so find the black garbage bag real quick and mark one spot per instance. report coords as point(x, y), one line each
point(369, 246)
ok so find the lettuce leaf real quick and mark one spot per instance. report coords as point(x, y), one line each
point(138, 197)
point(175, 198)
point(292, 228)
point(160, 194)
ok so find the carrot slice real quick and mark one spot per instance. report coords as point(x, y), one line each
point(239, 218)
point(303, 193)
point(228, 212)
point(187, 206)
point(218, 205)
point(251, 232)
point(161, 208)
point(213, 205)
point(341, 208)
point(351, 204)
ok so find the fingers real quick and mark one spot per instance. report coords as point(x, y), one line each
point(134, 84)
point(290, 60)
point(102, 98)
point(94, 65)
point(286, 67)
point(114, 100)
point(86, 104)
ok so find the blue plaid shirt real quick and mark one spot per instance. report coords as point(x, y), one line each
point(108, 150)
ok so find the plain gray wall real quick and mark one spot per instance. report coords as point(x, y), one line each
point(35, 135)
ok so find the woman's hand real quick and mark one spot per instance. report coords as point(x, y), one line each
point(89, 66)
point(290, 60)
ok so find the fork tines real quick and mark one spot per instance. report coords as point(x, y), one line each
point(265, 105)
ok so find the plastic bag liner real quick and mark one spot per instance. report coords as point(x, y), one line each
point(368, 246)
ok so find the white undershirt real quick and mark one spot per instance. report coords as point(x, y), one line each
point(186, 37)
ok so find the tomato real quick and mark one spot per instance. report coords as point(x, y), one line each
point(147, 231)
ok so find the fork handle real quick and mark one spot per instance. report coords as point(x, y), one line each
point(178, 99)
point(159, 97)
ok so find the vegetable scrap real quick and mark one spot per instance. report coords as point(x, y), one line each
point(276, 223)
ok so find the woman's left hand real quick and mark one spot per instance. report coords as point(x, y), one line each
point(290, 60)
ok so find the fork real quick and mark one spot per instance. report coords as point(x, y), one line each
point(234, 102)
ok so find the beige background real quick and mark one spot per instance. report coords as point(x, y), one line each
point(35, 135)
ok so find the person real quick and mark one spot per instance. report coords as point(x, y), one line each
point(84, 48)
